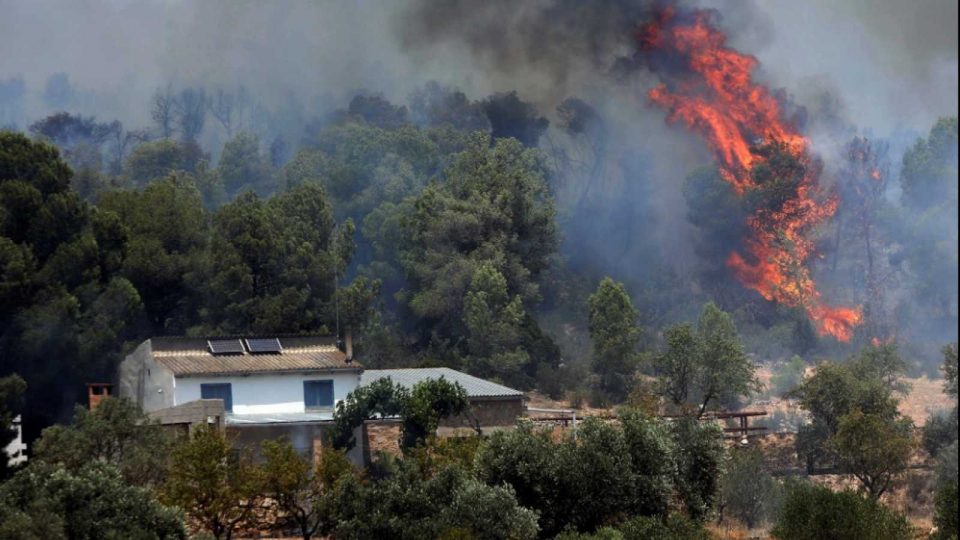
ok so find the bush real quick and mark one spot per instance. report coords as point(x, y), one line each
point(699, 460)
point(675, 527)
point(449, 505)
point(812, 512)
point(604, 476)
point(550, 381)
point(945, 511)
point(788, 376)
point(945, 500)
point(940, 431)
point(48, 501)
point(578, 398)
point(749, 493)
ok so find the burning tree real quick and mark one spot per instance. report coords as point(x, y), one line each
point(709, 88)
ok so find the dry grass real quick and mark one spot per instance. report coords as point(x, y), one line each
point(926, 396)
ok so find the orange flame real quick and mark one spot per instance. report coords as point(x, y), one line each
point(716, 98)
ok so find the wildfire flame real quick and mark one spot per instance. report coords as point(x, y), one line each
point(714, 96)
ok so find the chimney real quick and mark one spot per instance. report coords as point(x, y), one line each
point(348, 344)
point(96, 392)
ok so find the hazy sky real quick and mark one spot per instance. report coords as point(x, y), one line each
point(893, 63)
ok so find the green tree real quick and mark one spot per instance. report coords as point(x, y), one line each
point(699, 458)
point(949, 369)
point(945, 511)
point(834, 391)
point(940, 429)
point(789, 376)
point(492, 206)
point(815, 512)
point(216, 489)
point(299, 490)
point(930, 165)
point(420, 409)
point(115, 432)
point(382, 398)
point(166, 230)
point(430, 401)
point(705, 367)
point(748, 491)
point(615, 334)
point(403, 504)
point(596, 475)
point(494, 323)
point(652, 451)
point(873, 448)
point(945, 499)
point(243, 167)
point(881, 362)
point(44, 501)
point(273, 263)
point(526, 460)
point(67, 314)
point(603, 475)
point(928, 232)
point(158, 159)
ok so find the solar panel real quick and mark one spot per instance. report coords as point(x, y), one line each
point(225, 346)
point(263, 345)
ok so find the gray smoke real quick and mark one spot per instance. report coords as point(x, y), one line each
point(884, 67)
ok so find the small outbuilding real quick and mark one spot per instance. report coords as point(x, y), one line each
point(492, 406)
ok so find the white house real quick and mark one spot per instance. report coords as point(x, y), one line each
point(258, 388)
point(16, 450)
point(268, 386)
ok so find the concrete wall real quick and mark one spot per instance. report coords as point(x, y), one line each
point(301, 436)
point(309, 439)
point(267, 394)
point(144, 381)
point(202, 411)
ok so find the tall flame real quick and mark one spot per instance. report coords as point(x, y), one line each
point(714, 95)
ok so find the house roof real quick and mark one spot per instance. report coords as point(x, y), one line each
point(475, 387)
point(191, 356)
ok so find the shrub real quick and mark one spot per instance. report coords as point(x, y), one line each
point(749, 493)
point(812, 512)
point(940, 431)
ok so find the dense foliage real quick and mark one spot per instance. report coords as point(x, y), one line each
point(50, 502)
point(607, 473)
point(462, 233)
point(705, 367)
point(419, 409)
point(813, 512)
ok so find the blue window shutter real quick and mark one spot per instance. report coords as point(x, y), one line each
point(318, 394)
point(218, 391)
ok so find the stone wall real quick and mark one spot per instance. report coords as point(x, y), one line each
point(380, 436)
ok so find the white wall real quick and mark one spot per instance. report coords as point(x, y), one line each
point(267, 394)
point(15, 452)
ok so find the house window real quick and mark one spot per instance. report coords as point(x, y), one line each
point(218, 391)
point(318, 394)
